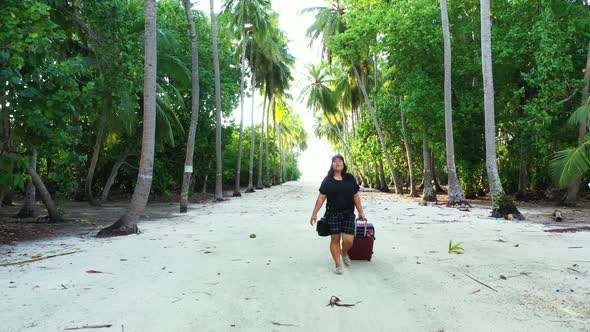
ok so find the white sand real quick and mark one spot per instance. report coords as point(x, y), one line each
point(167, 282)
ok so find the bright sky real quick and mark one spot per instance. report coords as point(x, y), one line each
point(315, 161)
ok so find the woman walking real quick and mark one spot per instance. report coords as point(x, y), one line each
point(341, 190)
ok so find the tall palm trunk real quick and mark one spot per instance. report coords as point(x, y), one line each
point(456, 194)
point(190, 144)
point(574, 187)
point(428, 194)
point(127, 224)
point(396, 180)
point(252, 136)
point(241, 135)
point(501, 204)
point(28, 209)
point(268, 179)
point(219, 175)
point(281, 153)
point(384, 186)
point(408, 149)
point(260, 184)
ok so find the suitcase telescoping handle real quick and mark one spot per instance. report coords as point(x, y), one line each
point(366, 225)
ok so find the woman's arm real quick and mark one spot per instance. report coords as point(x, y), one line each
point(359, 206)
point(318, 205)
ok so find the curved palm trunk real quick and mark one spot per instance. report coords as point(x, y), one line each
point(408, 149)
point(111, 179)
point(92, 167)
point(574, 187)
point(456, 194)
point(219, 175)
point(396, 180)
point(241, 135)
point(252, 141)
point(190, 145)
point(54, 214)
point(501, 204)
point(127, 224)
point(28, 209)
point(428, 194)
point(260, 184)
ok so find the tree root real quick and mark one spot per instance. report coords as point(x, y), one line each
point(119, 228)
point(458, 203)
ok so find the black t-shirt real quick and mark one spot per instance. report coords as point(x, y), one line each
point(340, 193)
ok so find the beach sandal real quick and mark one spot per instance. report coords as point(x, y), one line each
point(347, 260)
point(338, 270)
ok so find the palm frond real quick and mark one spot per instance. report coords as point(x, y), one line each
point(581, 115)
point(571, 163)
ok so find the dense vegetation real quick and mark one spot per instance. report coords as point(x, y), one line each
point(127, 96)
point(384, 73)
point(72, 96)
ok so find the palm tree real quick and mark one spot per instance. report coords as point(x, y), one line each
point(396, 180)
point(407, 146)
point(582, 120)
point(127, 224)
point(219, 176)
point(501, 204)
point(260, 184)
point(278, 79)
point(320, 96)
point(121, 120)
point(569, 165)
point(190, 145)
point(428, 194)
point(282, 111)
point(328, 23)
point(243, 14)
point(250, 188)
point(456, 194)
point(323, 93)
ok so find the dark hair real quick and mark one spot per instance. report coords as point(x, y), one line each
point(344, 170)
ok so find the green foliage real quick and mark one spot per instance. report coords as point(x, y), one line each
point(456, 248)
point(539, 52)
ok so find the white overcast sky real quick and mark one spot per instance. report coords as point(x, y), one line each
point(315, 161)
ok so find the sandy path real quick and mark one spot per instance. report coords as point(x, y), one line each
point(202, 272)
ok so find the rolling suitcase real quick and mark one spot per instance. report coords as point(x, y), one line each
point(362, 248)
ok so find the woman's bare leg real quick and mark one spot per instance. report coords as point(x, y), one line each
point(335, 249)
point(347, 240)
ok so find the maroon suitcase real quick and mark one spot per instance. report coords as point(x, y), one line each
point(362, 247)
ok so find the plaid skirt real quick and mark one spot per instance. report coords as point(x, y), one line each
point(341, 222)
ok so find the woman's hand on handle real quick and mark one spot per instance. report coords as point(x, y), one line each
point(362, 216)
